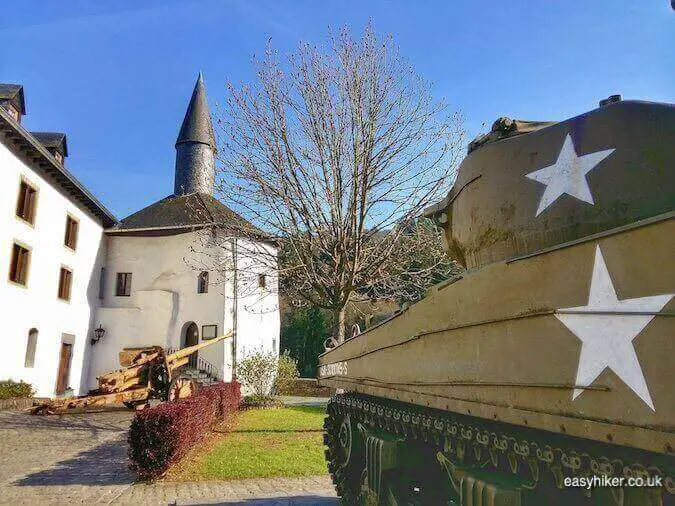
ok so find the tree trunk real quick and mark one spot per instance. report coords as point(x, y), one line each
point(340, 318)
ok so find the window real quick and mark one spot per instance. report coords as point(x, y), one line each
point(18, 268)
point(203, 282)
point(209, 331)
point(14, 112)
point(65, 282)
point(31, 345)
point(123, 284)
point(71, 232)
point(101, 284)
point(262, 280)
point(25, 205)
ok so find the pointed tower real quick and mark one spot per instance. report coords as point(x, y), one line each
point(196, 147)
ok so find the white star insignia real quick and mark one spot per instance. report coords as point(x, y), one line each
point(607, 339)
point(567, 175)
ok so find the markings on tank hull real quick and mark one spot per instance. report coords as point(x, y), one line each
point(607, 339)
point(567, 175)
point(334, 369)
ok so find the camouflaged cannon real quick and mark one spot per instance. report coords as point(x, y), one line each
point(544, 374)
point(149, 373)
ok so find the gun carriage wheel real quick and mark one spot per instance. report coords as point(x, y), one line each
point(181, 388)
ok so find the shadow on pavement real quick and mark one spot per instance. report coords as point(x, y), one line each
point(305, 500)
point(93, 422)
point(105, 464)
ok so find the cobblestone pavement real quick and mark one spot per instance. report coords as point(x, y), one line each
point(82, 459)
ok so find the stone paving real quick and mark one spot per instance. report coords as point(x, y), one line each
point(81, 458)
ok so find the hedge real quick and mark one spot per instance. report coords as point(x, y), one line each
point(160, 436)
point(11, 389)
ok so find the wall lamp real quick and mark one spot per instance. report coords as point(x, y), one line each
point(98, 334)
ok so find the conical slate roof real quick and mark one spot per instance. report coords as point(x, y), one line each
point(197, 122)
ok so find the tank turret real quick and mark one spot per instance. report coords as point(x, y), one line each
point(528, 186)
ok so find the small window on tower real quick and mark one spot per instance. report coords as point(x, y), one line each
point(203, 282)
point(123, 288)
point(262, 280)
point(25, 204)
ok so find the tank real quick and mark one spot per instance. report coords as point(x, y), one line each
point(544, 375)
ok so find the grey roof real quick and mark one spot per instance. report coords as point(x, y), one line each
point(53, 140)
point(13, 92)
point(24, 145)
point(192, 211)
point(197, 125)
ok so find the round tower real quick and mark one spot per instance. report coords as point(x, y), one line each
point(196, 147)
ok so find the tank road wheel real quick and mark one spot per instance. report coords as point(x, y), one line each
point(181, 388)
point(344, 454)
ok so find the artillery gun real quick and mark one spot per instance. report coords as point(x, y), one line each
point(548, 365)
point(151, 373)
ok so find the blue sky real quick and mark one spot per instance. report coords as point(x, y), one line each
point(116, 75)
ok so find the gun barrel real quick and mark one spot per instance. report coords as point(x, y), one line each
point(191, 349)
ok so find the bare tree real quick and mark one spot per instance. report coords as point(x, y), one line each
point(337, 152)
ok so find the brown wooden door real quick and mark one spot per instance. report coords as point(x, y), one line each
point(192, 338)
point(63, 374)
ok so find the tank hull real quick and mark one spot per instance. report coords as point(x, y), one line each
point(505, 354)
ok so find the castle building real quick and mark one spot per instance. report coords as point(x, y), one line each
point(81, 286)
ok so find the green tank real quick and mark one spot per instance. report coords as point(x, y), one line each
point(545, 374)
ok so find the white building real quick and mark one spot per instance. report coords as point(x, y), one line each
point(180, 271)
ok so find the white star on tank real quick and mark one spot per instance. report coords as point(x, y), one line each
point(567, 175)
point(607, 339)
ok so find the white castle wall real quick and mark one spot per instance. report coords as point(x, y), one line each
point(164, 298)
point(37, 305)
point(258, 319)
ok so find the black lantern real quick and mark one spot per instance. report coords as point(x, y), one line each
point(98, 334)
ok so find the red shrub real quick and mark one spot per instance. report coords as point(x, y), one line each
point(160, 436)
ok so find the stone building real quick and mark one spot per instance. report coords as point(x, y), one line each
point(182, 270)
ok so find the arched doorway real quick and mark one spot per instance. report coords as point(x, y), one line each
point(190, 338)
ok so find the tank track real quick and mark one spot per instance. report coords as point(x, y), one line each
point(533, 456)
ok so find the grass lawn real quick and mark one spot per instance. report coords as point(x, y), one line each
point(261, 443)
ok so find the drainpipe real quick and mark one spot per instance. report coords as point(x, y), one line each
point(234, 309)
